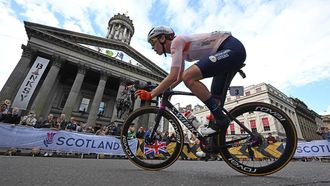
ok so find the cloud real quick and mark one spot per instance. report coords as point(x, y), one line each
point(289, 38)
point(12, 36)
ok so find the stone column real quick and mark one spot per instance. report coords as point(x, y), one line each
point(16, 78)
point(120, 90)
point(124, 35)
point(97, 99)
point(74, 92)
point(41, 99)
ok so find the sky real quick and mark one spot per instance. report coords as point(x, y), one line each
point(287, 42)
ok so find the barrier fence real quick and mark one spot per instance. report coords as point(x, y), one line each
point(65, 141)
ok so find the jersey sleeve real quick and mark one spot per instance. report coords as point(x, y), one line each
point(177, 47)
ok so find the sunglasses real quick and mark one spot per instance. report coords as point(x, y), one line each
point(153, 41)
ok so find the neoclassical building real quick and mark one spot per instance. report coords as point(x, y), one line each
point(305, 120)
point(80, 75)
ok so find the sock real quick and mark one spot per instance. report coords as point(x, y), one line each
point(215, 109)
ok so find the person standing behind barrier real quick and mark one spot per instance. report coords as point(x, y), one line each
point(12, 117)
point(4, 106)
point(166, 137)
point(140, 133)
point(62, 122)
point(271, 139)
point(48, 123)
point(29, 120)
point(131, 133)
point(72, 125)
point(324, 132)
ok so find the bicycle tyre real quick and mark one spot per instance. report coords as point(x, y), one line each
point(250, 167)
point(145, 163)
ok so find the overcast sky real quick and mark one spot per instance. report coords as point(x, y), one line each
point(287, 41)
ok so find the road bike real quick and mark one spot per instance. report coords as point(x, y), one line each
point(243, 148)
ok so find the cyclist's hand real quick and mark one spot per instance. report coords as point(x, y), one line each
point(144, 95)
point(210, 117)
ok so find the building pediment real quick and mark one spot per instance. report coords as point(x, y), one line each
point(85, 43)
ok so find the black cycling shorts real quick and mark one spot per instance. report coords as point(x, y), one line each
point(229, 57)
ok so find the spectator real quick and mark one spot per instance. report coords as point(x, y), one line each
point(140, 133)
point(62, 122)
point(12, 116)
point(194, 140)
point(173, 137)
point(112, 129)
point(166, 137)
point(72, 125)
point(131, 134)
point(29, 120)
point(271, 139)
point(48, 123)
point(147, 134)
point(89, 130)
point(324, 132)
point(102, 131)
point(56, 125)
point(79, 126)
point(4, 106)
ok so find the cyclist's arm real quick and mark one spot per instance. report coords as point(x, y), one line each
point(171, 78)
point(179, 78)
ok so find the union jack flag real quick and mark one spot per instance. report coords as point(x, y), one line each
point(159, 147)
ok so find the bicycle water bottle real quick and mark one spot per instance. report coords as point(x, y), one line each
point(192, 119)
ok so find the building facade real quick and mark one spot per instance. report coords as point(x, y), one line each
point(82, 75)
point(268, 94)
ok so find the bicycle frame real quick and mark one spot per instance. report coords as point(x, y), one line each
point(166, 103)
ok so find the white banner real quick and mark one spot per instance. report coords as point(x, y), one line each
point(30, 83)
point(314, 148)
point(64, 141)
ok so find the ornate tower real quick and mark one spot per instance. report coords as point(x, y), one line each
point(121, 28)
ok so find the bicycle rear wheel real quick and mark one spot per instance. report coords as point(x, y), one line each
point(156, 153)
point(254, 156)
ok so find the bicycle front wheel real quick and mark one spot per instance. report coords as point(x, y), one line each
point(152, 153)
point(272, 146)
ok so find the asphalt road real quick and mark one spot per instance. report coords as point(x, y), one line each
point(23, 170)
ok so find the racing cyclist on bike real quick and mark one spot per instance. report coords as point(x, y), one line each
point(218, 53)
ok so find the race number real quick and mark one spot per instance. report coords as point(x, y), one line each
point(236, 91)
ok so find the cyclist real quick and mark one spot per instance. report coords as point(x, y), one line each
point(218, 53)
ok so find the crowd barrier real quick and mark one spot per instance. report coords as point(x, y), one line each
point(64, 141)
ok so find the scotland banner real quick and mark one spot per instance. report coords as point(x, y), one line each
point(314, 148)
point(64, 141)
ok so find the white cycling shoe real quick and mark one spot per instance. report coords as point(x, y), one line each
point(201, 154)
point(206, 131)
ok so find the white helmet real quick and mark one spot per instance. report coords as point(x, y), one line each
point(159, 30)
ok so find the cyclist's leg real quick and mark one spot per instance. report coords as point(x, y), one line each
point(230, 56)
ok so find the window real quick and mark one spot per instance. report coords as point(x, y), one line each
point(232, 129)
point(258, 89)
point(265, 123)
point(247, 93)
point(84, 104)
point(242, 130)
point(253, 125)
point(228, 99)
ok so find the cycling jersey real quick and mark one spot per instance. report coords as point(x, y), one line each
point(195, 46)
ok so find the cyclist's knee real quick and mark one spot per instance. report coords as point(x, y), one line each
point(187, 79)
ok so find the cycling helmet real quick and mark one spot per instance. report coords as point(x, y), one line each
point(159, 30)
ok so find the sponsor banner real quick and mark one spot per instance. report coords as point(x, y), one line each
point(64, 141)
point(313, 148)
point(30, 83)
